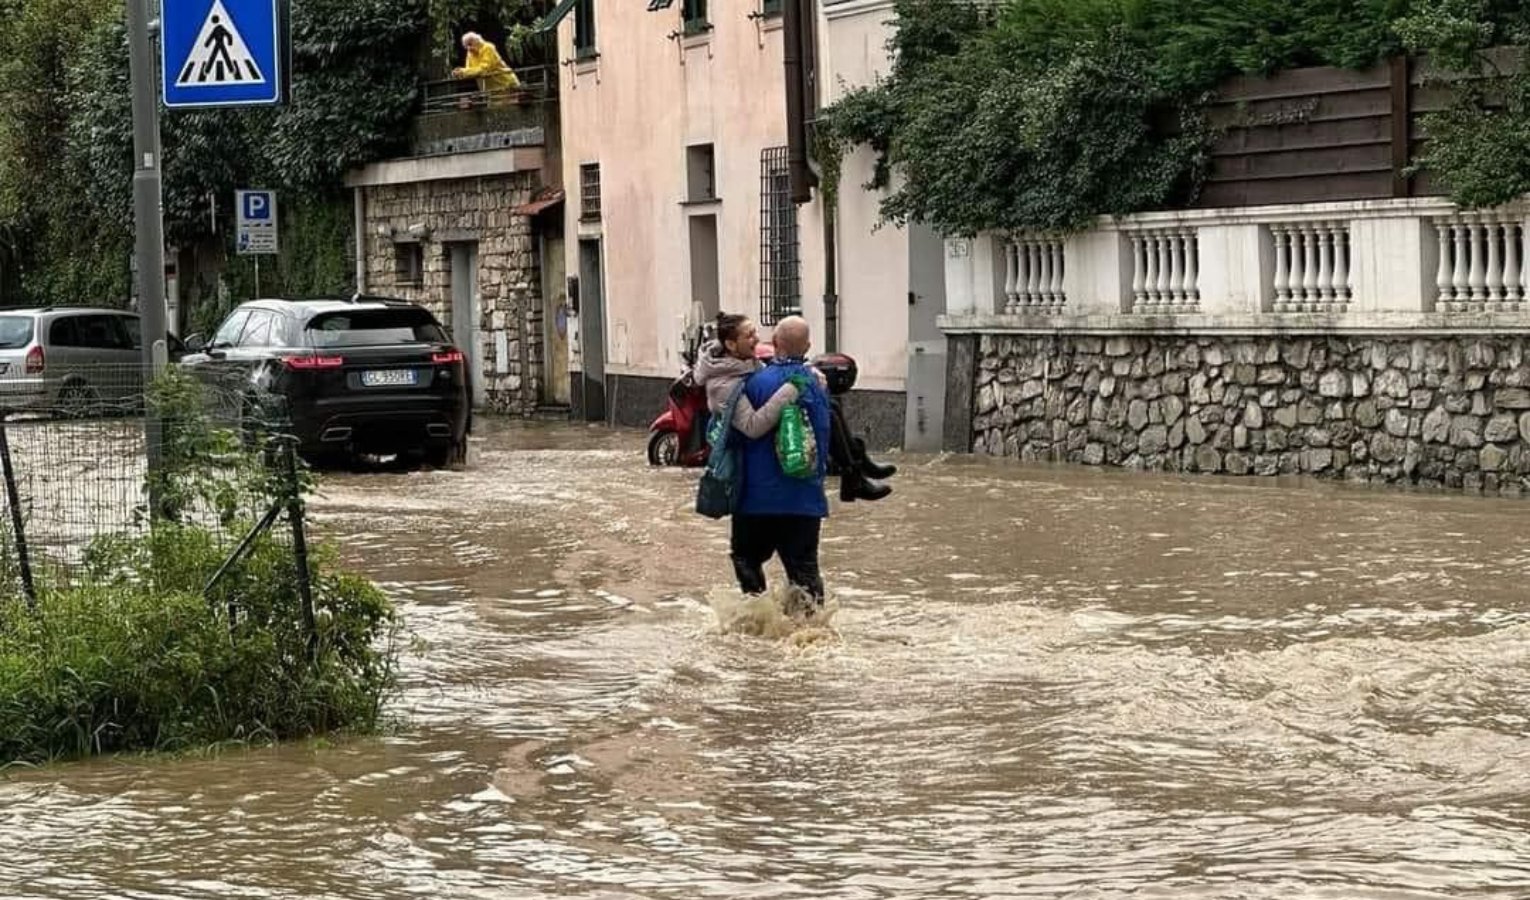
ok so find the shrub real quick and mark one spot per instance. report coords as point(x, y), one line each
point(136, 654)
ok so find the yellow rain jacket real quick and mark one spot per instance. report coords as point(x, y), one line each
point(485, 64)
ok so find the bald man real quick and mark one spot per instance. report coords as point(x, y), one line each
point(777, 514)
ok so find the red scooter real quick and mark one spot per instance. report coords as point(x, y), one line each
point(678, 436)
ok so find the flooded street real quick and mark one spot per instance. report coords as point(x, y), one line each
point(1047, 682)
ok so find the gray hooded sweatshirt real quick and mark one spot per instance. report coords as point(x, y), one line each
point(719, 373)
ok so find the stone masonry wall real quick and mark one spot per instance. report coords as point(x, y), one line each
point(1438, 410)
point(475, 209)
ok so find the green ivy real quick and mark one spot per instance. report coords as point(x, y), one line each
point(1043, 114)
point(1480, 145)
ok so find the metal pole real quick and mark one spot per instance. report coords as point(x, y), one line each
point(150, 240)
point(295, 515)
point(257, 278)
point(18, 523)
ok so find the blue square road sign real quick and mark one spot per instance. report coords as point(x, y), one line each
point(257, 205)
point(223, 53)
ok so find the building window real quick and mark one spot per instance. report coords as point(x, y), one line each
point(770, 8)
point(780, 256)
point(695, 14)
point(589, 192)
point(409, 264)
point(584, 29)
point(700, 173)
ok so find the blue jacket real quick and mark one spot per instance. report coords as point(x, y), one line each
point(767, 490)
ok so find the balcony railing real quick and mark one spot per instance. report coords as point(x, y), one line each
point(459, 114)
point(1349, 264)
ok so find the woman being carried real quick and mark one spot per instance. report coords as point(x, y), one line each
point(723, 363)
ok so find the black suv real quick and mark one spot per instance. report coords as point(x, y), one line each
point(366, 375)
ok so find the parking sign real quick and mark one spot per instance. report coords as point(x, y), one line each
point(256, 230)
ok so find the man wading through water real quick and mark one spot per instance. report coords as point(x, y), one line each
point(778, 514)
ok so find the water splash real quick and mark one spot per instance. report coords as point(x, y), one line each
point(783, 613)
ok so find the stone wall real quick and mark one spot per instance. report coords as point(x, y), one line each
point(1451, 410)
point(510, 303)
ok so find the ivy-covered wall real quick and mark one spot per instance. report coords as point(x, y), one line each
point(1044, 114)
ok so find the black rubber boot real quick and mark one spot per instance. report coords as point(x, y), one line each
point(856, 486)
point(872, 468)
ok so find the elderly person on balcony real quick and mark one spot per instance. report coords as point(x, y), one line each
point(485, 64)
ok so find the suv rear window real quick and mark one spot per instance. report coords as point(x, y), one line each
point(15, 332)
point(374, 327)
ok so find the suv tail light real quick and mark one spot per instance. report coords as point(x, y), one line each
point(36, 361)
point(307, 363)
point(447, 358)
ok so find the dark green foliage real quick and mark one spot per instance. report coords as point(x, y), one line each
point(1480, 146)
point(66, 138)
point(1048, 113)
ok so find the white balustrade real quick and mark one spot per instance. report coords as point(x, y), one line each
point(1033, 275)
point(1165, 271)
point(1482, 258)
point(1312, 267)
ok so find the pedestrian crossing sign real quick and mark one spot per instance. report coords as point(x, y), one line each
point(223, 53)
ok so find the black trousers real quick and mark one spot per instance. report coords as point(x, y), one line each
point(794, 538)
point(846, 453)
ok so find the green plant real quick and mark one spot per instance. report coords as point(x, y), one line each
point(1046, 113)
point(1477, 145)
point(137, 654)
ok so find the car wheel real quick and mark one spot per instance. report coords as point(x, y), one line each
point(664, 449)
point(76, 401)
point(451, 456)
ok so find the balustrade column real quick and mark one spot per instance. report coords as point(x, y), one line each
point(1282, 267)
point(1341, 264)
point(1478, 277)
point(1512, 276)
point(1309, 269)
point(1011, 276)
point(1044, 249)
point(1176, 269)
point(1139, 271)
point(1325, 236)
point(1058, 297)
point(1442, 273)
point(1165, 269)
point(1460, 278)
point(1494, 263)
point(1192, 270)
point(1150, 287)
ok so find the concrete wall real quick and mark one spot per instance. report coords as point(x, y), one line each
point(1431, 409)
point(510, 328)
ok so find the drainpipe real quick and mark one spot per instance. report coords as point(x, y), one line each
point(792, 46)
point(361, 239)
point(800, 55)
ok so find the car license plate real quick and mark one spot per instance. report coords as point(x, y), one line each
point(388, 378)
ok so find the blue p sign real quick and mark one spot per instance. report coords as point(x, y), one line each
point(257, 207)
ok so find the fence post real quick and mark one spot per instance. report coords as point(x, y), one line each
point(18, 527)
point(300, 542)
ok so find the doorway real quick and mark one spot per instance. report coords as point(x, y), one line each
point(466, 313)
point(555, 316)
point(592, 330)
point(706, 294)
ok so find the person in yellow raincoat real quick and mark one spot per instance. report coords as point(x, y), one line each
point(485, 64)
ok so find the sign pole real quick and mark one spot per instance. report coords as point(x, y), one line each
point(150, 241)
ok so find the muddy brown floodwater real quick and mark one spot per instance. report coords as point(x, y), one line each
point(1048, 682)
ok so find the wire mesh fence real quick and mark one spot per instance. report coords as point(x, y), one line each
point(74, 449)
